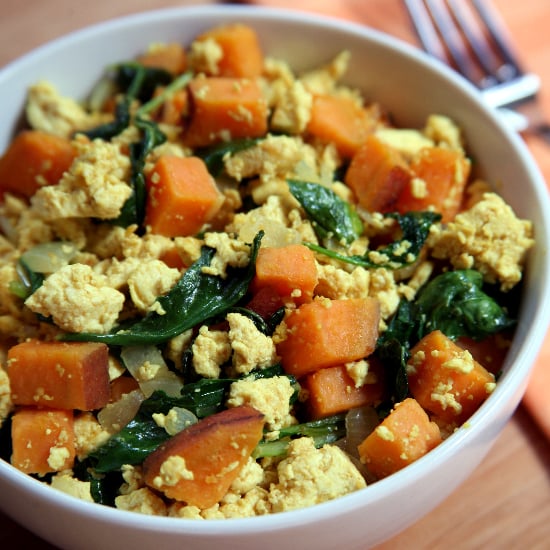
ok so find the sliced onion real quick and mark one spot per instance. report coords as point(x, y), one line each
point(136, 357)
point(178, 419)
point(49, 257)
point(360, 423)
point(114, 416)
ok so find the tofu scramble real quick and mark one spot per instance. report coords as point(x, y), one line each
point(229, 290)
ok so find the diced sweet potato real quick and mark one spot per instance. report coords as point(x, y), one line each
point(42, 440)
point(332, 391)
point(404, 436)
point(198, 465)
point(181, 196)
point(444, 173)
point(290, 270)
point(59, 375)
point(242, 56)
point(223, 109)
point(446, 380)
point(377, 175)
point(34, 159)
point(342, 121)
point(171, 57)
point(326, 333)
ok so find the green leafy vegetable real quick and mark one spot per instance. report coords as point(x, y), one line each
point(195, 298)
point(415, 227)
point(323, 431)
point(331, 216)
point(133, 210)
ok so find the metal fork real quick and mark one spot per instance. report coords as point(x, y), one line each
point(469, 36)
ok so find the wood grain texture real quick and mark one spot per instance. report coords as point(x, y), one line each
point(505, 504)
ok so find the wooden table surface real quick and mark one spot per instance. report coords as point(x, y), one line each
point(505, 504)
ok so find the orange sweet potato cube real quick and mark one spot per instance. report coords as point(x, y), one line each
point(326, 333)
point(42, 440)
point(404, 436)
point(198, 465)
point(59, 375)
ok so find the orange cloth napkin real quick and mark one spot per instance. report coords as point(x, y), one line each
point(537, 395)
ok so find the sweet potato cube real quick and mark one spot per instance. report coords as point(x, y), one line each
point(171, 57)
point(326, 333)
point(34, 159)
point(198, 465)
point(59, 375)
point(342, 121)
point(446, 380)
point(444, 173)
point(377, 174)
point(404, 436)
point(332, 391)
point(182, 196)
point(242, 56)
point(290, 270)
point(223, 109)
point(42, 440)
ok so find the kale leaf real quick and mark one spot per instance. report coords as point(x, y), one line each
point(214, 155)
point(195, 298)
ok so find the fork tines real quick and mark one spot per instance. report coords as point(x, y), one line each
point(469, 36)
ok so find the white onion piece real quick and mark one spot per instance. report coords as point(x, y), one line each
point(178, 419)
point(49, 257)
point(146, 364)
point(7, 228)
point(360, 423)
point(114, 416)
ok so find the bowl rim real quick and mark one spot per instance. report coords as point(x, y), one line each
point(384, 487)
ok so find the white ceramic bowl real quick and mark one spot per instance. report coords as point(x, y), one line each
point(412, 86)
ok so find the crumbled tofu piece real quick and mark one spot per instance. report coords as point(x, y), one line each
point(211, 349)
point(88, 434)
point(78, 300)
point(172, 471)
point(325, 79)
point(310, 476)
point(94, 187)
point(359, 372)
point(250, 476)
point(443, 131)
point(407, 141)
point(338, 284)
point(149, 280)
point(251, 348)
point(50, 112)
point(385, 289)
point(6, 405)
point(230, 252)
point(488, 237)
point(270, 396)
point(204, 56)
point(142, 501)
point(272, 156)
point(68, 484)
point(292, 111)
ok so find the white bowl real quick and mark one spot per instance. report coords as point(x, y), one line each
point(412, 86)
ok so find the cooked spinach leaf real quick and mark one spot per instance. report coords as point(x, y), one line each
point(133, 210)
point(323, 431)
point(415, 227)
point(196, 297)
point(331, 216)
point(140, 82)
